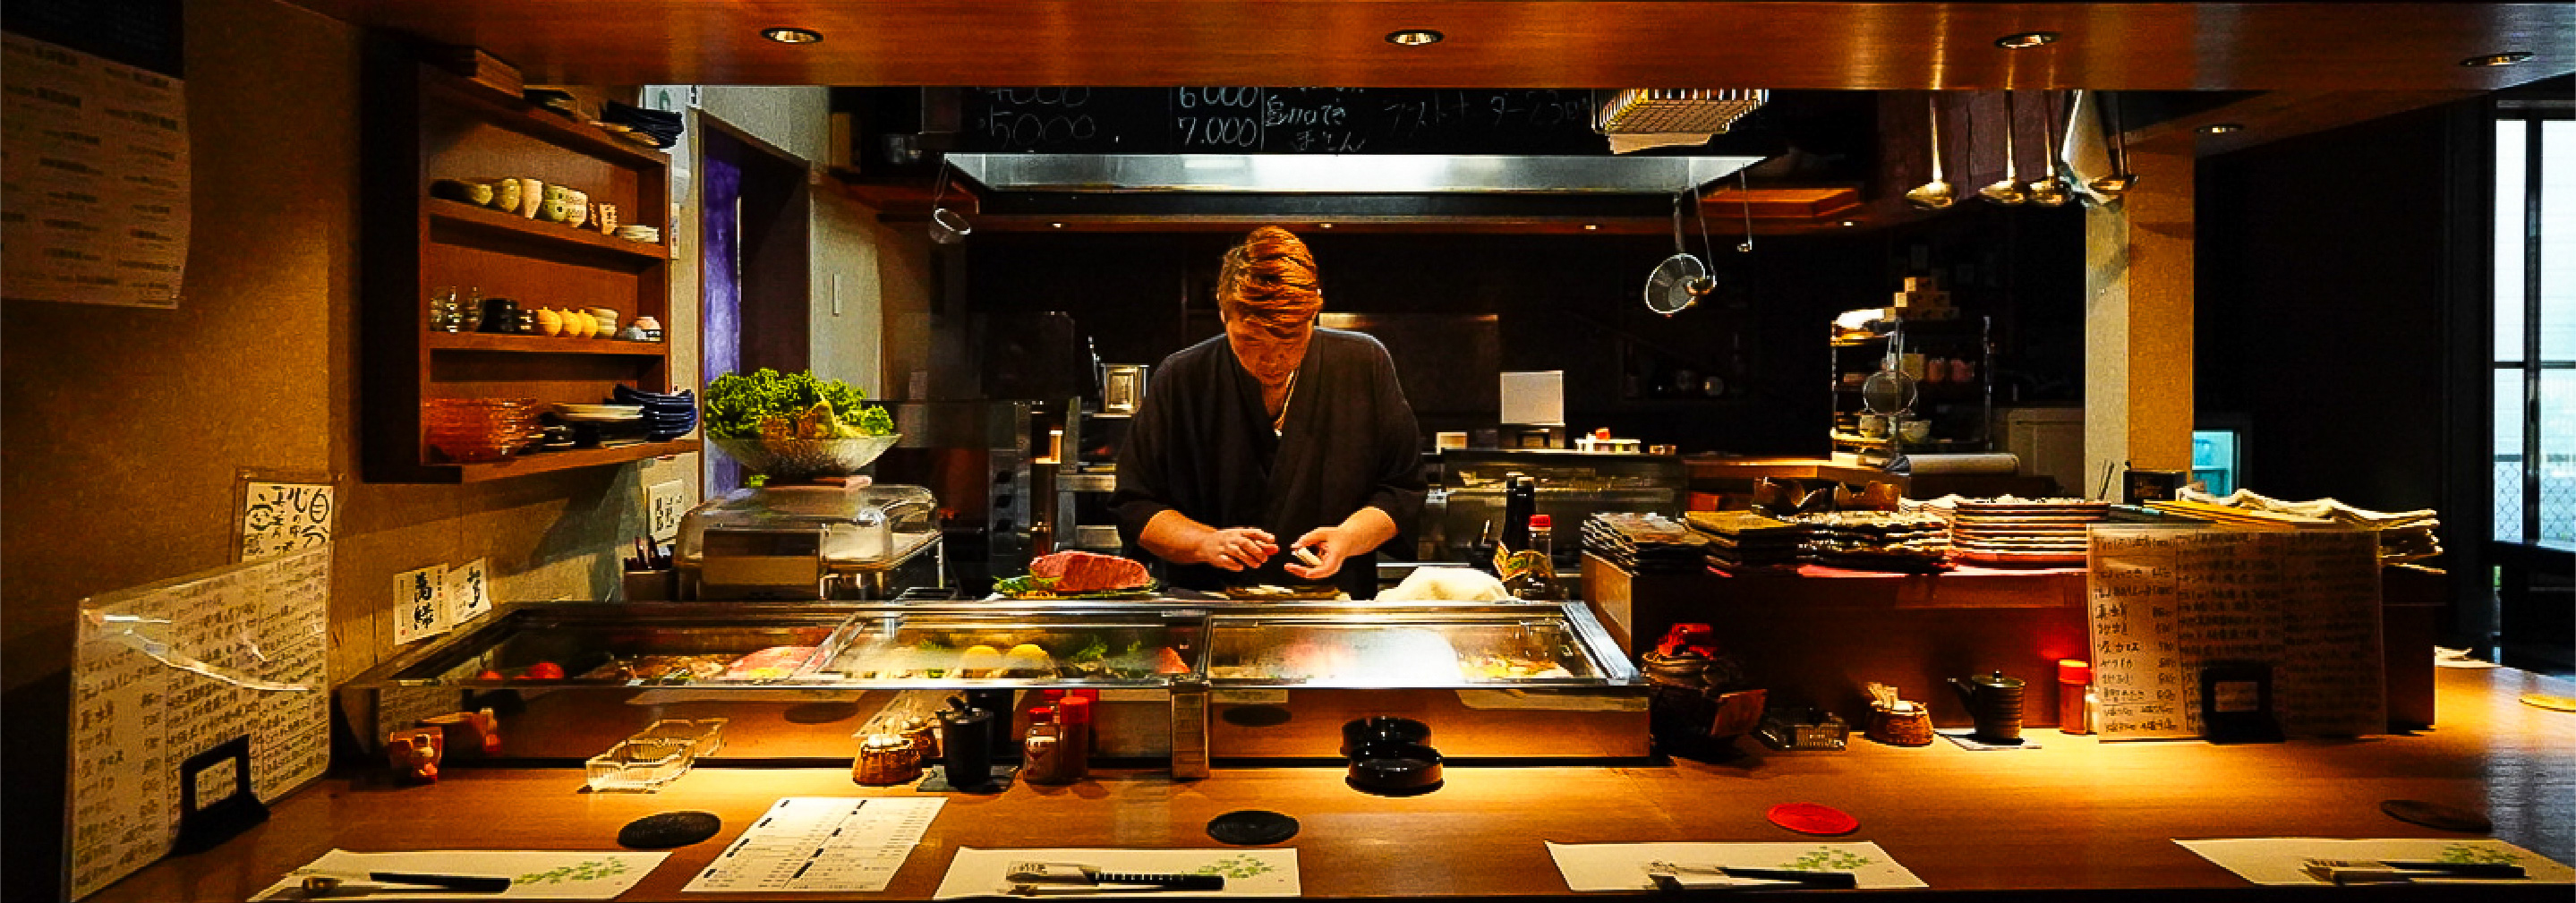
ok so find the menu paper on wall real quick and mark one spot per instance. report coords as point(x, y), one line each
point(95, 155)
point(165, 672)
point(279, 517)
point(822, 843)
point(2165, 601)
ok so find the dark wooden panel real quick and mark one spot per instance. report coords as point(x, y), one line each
point(1504, 44)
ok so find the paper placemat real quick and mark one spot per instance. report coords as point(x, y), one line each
point(822, 843)
point(1622, 866)
point(1248, 873)
point(533, 874)
point(2276, 860)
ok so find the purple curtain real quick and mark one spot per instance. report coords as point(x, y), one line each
point(720, 262)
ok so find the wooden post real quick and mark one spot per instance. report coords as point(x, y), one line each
point(2138, 319)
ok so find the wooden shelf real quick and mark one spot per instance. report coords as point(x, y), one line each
point(420, 124)
point(538, 122)
point(536, 230)
point(548, 462)
point(539, 344)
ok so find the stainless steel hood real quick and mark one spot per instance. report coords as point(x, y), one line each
point(1410, 174)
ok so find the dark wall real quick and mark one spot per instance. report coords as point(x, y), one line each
point(1572, 303)
point(2321, 289)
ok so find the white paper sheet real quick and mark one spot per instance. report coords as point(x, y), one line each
point(1248, 873)
point(822, 843)
point(534, 875)
point(278, 518)
point(1622, 866)
point(2276, 860)
point(420, 604)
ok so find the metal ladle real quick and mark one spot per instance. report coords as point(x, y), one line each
point(2120, 180)
point(2048, 190)
point(1938, 193)
point(2009, 191)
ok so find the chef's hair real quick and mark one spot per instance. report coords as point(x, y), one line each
point(1270, 281)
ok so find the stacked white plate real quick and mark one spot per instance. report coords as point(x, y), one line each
point(2024, 532)
point(599, 413)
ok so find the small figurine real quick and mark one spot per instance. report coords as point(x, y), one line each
point(414, 753)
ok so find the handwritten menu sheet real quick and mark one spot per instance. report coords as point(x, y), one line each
point(158, 677)
point(822, 843)
point(2164, 601)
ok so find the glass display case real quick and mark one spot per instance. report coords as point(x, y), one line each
point(796, 680)
point(807, 542)
point(1495, 681)
point(568, 681)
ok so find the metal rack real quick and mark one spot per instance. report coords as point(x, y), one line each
point(1945, 338)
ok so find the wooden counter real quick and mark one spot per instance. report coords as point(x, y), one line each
point(2075, 815)
point(1819, 636)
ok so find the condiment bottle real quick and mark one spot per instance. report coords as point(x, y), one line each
point(1043, 751)
point(1537, 580)
point(2074, 679)
point(1073, 717)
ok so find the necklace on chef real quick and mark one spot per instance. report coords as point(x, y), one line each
point(1280, 423)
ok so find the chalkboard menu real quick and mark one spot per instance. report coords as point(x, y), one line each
point(1218, 120)
point(2164, 602)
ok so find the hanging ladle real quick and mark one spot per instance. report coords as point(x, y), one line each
point(2120, 180)
point(1938, 193)
point(2009, 191)
point(2048, 190)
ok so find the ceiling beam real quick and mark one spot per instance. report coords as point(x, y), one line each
point(2276, 115)
point(1501, 43)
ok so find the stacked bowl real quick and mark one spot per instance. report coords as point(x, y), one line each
point(479, 429)
point(666, 417)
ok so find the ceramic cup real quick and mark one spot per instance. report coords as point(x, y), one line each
point(1873, 426)
point(1915, 430)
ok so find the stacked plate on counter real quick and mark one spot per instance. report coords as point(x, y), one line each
point(2013, 532)
point(1742, 542)
point(666, 417)
point(1643, 543)
point(1902, 542)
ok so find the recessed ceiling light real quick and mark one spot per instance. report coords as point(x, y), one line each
point(1323, 225)
point(792, 35)
point(2498, 59)
point(1057, 225)
point(1414, 37)
point(2026, 39)
point(2221, 128)
point(1588, 227)
point(1851, 222)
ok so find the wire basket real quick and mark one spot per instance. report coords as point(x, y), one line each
point(799, 459)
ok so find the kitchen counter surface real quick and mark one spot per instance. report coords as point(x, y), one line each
point(2077, 814)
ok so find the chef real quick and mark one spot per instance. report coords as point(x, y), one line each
point(1277, 453)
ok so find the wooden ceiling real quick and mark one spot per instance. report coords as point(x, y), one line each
point(1502, 43)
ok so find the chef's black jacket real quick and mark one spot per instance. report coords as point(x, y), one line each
point(1202, 445)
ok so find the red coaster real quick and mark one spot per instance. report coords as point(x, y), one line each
point(1811, 818)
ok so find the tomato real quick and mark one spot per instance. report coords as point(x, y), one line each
point(546, 671)
point(488, 674)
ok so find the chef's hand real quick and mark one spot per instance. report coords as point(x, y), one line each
point(1330, 545)
point(1237, 548)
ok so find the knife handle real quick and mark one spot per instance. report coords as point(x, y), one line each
point(451, 882)
point(1812, 879)
point(2478, 869)
point(1175, 882)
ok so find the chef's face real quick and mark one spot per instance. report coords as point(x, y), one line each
point(1269, 357)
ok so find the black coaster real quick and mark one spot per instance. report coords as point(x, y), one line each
point(1252, 827)
point(2437, 816)
point(934, 779)
point(662, 831)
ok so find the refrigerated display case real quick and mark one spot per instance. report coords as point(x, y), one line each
point(1510, 681)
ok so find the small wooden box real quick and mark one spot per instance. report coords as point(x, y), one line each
point(479, 67)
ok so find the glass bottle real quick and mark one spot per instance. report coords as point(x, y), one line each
point(1533, 570)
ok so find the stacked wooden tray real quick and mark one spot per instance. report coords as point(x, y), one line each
point(2011, 532)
